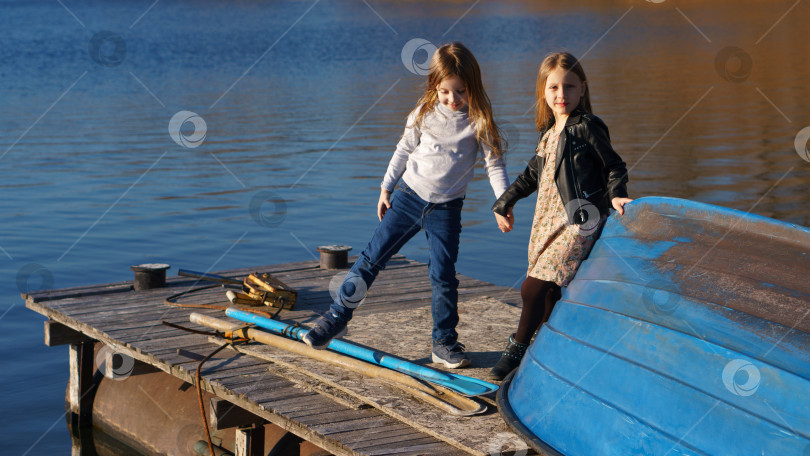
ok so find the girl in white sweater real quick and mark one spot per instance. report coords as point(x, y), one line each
point(434, 161)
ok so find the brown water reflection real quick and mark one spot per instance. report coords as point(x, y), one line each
point(704, 99)
point(696, 119)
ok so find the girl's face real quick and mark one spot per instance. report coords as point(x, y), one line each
point(564, 90)
point(452, 93)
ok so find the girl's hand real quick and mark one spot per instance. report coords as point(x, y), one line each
point(384, 204)
point(618, 204)
point(506, 223)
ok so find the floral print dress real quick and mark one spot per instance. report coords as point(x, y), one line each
point(556, 247)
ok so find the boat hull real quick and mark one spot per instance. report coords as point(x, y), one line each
point(684, 332)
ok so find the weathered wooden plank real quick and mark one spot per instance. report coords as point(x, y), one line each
point(392, 430)
point(266, 386)
point(230, 367)
point(331, 417)
point(174, 360)
point(245, 372)
point(130, 301)
point(263, 396)
point(80, 384)
point(154, 329)
point(315, 409)
point(352, 425)
point(292, 405)
point(93, 290)
point(249, 441)
point(416, 449)
point(58, 334)
point(183, 341)
point(393, 442)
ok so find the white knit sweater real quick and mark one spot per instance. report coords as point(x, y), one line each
point(437, 160)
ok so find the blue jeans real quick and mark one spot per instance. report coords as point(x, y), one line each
point(408, 215)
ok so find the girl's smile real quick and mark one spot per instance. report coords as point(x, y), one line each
point(452, 92)
point(564, 90)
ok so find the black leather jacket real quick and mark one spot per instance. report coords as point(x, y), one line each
point(587, 170)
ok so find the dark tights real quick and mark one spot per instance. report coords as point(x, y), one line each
point(539, 297)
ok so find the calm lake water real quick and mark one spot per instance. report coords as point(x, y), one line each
point(303, 103)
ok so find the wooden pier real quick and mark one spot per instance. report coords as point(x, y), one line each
point(333, 410)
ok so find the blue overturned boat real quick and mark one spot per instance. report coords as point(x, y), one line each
point(685, 332)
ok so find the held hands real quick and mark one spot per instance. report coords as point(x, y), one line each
point(618, 204)
point(384, 204)
point(505, 223)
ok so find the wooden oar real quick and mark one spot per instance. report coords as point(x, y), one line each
point(467, 386)
point(438, 396)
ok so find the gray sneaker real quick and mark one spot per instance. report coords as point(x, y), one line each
point(327, 327)
point(451, 355)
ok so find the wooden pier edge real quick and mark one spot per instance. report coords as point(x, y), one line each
point(80, 378)
point(71, 322)
point(251, 351)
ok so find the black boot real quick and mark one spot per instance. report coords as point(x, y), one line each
point(510, 359)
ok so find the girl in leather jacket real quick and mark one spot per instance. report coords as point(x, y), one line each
point(578, 178)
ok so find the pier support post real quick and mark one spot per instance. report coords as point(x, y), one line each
point(80, 383)
point(249, 441)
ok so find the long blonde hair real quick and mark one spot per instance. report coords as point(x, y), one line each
point(566, 61)
point(454, 59)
